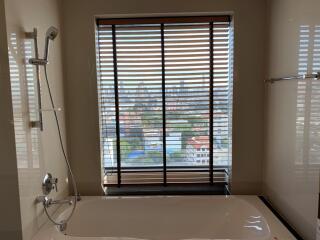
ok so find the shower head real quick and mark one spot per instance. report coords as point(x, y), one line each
point(51, 34)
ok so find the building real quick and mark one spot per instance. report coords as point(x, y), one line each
point(198, 150)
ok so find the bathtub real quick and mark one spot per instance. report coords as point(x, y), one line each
point(168, 218)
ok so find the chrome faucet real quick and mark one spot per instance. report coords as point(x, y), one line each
point(47, 202)
point(49, 183)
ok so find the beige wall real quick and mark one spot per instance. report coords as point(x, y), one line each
point(10, 222)
point(292, 164)
point(81, 89)
point(37, 152)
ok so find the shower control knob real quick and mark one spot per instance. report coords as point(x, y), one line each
point(49, 183)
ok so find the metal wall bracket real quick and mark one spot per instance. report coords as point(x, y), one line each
point(31, 35)
point(35, 124)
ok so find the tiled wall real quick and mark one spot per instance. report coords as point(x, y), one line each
point(292, 164)
point(37, 152)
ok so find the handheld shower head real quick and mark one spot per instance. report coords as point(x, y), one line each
point(51, 34)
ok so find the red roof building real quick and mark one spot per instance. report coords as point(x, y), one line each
point(199, 142)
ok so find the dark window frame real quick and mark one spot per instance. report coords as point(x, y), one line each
point(164, 169)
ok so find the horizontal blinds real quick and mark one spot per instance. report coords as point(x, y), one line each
point(174, 177)
point(187, 96)
point(164, 97)
point(140, 112)
point(107, 101)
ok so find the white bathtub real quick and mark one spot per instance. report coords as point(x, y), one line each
point(169, 218)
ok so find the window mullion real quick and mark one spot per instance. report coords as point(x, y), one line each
point(211, 111)
point(164, 150)
point(116, 90)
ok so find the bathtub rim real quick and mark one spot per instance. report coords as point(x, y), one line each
point(276, 226)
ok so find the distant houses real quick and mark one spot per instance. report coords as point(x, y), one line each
point(198, 150)
point(144, 139)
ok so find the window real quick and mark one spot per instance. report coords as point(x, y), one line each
point(165, 95)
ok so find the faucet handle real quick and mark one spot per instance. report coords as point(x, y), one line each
point(49, 183)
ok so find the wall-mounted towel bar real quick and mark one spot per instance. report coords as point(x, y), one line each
point(297, 77)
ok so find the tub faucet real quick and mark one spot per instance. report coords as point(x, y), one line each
point(47, 202)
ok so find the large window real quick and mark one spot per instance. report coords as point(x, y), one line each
point(165, 99)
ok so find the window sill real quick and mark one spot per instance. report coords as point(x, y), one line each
point(179, 189)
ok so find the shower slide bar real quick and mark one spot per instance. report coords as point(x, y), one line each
point(37, 62)
point(297, 77)
point(34, 35)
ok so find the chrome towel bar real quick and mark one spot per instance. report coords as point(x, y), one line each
point(297, 77)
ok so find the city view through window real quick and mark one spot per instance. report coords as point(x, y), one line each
point(162, 89)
